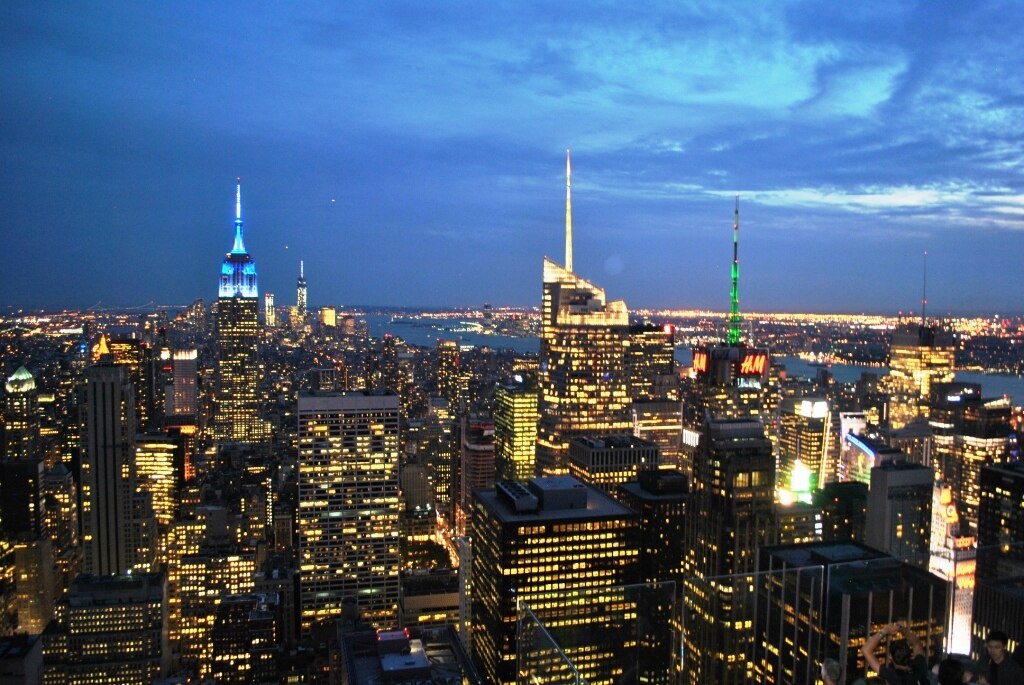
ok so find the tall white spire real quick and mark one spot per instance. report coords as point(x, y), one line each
point(239, 246)
point(302, 269)
point(568, 211)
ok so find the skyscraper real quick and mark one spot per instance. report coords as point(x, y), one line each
point(269, 313)
point(109, 629)
point(349, 506)
point(731, 511)
point(805, 435)
point(968, 432)
point(185, 401)
point(300, 292)
point(899, 508)
point(238, 355)
point(920, 355)
point(953, 558)
point(515, 430)
point(821, 600)
point(650, 365)
point(583, 387)
point(107, 417)
point(21, 416)
point(553, 545)
point(1001, 520)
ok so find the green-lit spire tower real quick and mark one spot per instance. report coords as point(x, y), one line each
point(735, 319)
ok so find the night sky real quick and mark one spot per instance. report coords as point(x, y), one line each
point(414, 153)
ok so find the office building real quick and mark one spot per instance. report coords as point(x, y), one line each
point(403, 657)
point(21, 416)
point(515, 430)
point(328, 317)
point(954, 559)
point(245, 639)
point(477, 457)
point(920, 356)
point(349, 507)
point(300, 293)
point(238, 339)
point(269, 313)
point(860, 454)
point(451, 383)
point(108, 629)
point(1001, 520)
point(108, 473)
point(430, 597)
point(805, 443)
point(553, 545)
point(822, 600)
point(899, 508)
point(969, 432)
point(661, 422)
point(582, 379)
point(159, 467)
point(61, 494)
point(998, 605)
point(205, 563)
point(734, 492)
point(185, 398)
point(608, 461)
point(650, 362)
point(660, 498)
point(843, 508)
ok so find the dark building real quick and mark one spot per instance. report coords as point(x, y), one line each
point(843, 507)
point(1001, 521)
point(22, 498)
point(245, 637)
point(413, 656)
point(733, 491)
point(899, 517)
point(998, 605)
point(822, 600)
point(660, 498)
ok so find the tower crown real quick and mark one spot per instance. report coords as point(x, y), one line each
point(238, 271)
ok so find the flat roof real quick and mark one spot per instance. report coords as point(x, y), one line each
point(599, 505)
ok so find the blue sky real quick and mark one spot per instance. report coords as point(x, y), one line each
point(413, 153)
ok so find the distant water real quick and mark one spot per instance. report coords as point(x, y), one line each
point(427, 332)
point(992, 384)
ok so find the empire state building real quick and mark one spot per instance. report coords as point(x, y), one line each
point(238, 359)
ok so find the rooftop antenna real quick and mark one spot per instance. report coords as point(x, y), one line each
point(924, 291)
point(735, 320)
point(239, 246)
point(568, 211)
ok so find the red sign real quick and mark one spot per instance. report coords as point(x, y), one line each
point(754, 364)
point(700, 362)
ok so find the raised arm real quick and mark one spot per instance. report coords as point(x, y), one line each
point(913, 640)
point(871, 644)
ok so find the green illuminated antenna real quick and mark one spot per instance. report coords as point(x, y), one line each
point(735, 319)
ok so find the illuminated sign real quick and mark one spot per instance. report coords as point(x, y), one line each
point(700, 361)
point(754, 364)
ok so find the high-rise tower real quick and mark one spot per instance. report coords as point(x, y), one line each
point(107, 415)
point(300, 291)
point(21, 416)
point(238, 335)
point(583, 388)
point(349, 506)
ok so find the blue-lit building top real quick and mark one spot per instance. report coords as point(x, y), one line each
point(238, 272)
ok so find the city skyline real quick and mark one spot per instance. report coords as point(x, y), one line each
point(413, 156)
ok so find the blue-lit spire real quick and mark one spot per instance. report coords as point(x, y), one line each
point(239, 246)
point(238, 272)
